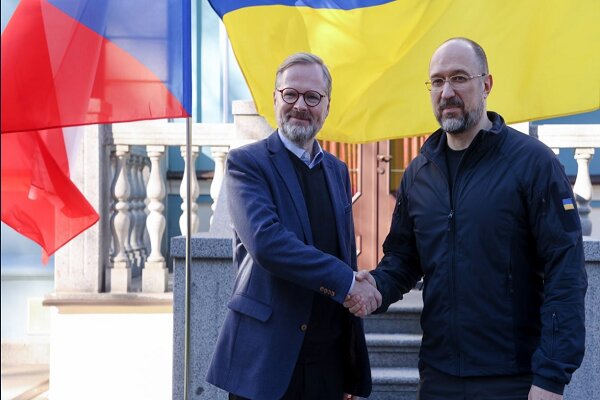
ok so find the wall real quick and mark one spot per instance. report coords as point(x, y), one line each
point(107, 352)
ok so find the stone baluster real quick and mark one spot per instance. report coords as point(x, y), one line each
point(138, 207)
point(146, 179)
point(120, 273)
point(114, 166)
point(155, 273)
point(194, 195)
point(583, 188)
point(141, 210)
point(133, 216)
point(219, 154)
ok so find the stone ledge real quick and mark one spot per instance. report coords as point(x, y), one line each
point(591, 248)
point(203, 246)
point(108, 299)
point(18, 352)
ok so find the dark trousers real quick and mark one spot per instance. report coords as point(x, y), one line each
point(436, 385)
point(313, 381)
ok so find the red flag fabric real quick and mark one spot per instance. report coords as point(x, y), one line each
point(38, 198)
point(68, 63)
point(75, 62)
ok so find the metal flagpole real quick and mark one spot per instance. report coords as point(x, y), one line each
point(191, 174)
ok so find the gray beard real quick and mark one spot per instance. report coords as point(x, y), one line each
point(455, 126)
point(299, 135)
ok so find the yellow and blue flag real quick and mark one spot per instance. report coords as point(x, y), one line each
point(568, 204)
point(544, 56)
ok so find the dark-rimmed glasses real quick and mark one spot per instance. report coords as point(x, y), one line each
point(457, 82)
point(311, 98)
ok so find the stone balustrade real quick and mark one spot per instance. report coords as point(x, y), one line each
point(584, 138)
point(140, 180)
point(123, 175)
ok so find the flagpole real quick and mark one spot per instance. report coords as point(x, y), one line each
point(191, 174)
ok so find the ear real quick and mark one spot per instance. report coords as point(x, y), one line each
point(274, 98)
point(488, 82)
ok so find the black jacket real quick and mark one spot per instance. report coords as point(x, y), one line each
point(501, 257)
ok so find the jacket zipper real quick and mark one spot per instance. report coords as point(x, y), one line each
point(554, 331)
point(452, 231)
point(510, 279)
point(452, 242)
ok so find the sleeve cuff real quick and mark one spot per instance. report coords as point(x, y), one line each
point(547, 384)
point(353, 280)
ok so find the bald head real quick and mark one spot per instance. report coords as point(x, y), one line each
point(464, 44)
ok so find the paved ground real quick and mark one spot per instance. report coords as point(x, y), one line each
point(24, 382)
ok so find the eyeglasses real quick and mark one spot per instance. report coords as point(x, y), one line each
point(456, 82)
point(291, 96)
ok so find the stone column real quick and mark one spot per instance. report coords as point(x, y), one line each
point(249, 126)
point(80, 265)
point(120, 273)
point(219, 156)
point(155, 273)
point(583, 188)
point(212, 276)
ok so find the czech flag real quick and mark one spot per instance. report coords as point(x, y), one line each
point(76, 62)
point(544, 56)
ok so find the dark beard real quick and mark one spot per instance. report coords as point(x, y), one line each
point(458, 125)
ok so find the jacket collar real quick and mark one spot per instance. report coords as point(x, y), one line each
point(435, 147)
point(301, 153)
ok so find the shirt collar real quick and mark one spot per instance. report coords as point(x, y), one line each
point(301, 153)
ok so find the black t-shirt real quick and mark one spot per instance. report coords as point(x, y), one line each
point(453, 158)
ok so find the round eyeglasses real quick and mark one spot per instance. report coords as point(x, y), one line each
point(457, 82)
point(291, 96)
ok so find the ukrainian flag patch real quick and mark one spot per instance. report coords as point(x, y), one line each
point(568, 204)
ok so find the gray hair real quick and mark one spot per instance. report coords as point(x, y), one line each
point(304, 58)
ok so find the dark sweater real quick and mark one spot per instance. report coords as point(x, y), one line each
point(328, 318)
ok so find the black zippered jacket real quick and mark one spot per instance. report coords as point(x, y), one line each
point(500, 254)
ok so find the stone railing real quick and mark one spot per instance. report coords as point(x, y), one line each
point(584, 139)
point(138, 179)
point(121, 171)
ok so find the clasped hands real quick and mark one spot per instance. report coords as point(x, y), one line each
point(364, 298)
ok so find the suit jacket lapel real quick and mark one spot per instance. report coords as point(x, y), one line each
point(285, 168)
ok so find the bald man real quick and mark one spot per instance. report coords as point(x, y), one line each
point(486, 216)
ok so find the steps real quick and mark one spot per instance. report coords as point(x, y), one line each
point(393, 340)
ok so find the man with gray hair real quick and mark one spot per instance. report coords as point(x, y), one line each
point(286, 334)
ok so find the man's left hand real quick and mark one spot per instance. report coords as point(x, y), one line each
point(537, 393)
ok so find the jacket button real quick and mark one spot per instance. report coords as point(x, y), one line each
point(303, 327)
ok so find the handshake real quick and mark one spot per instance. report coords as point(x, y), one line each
point(364, 298)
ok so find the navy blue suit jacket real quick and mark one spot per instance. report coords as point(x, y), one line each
point(280, 272)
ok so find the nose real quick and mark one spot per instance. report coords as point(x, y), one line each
point(300, 104)
point(447, 90)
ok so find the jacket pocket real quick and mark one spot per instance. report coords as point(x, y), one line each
point(250, 307)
